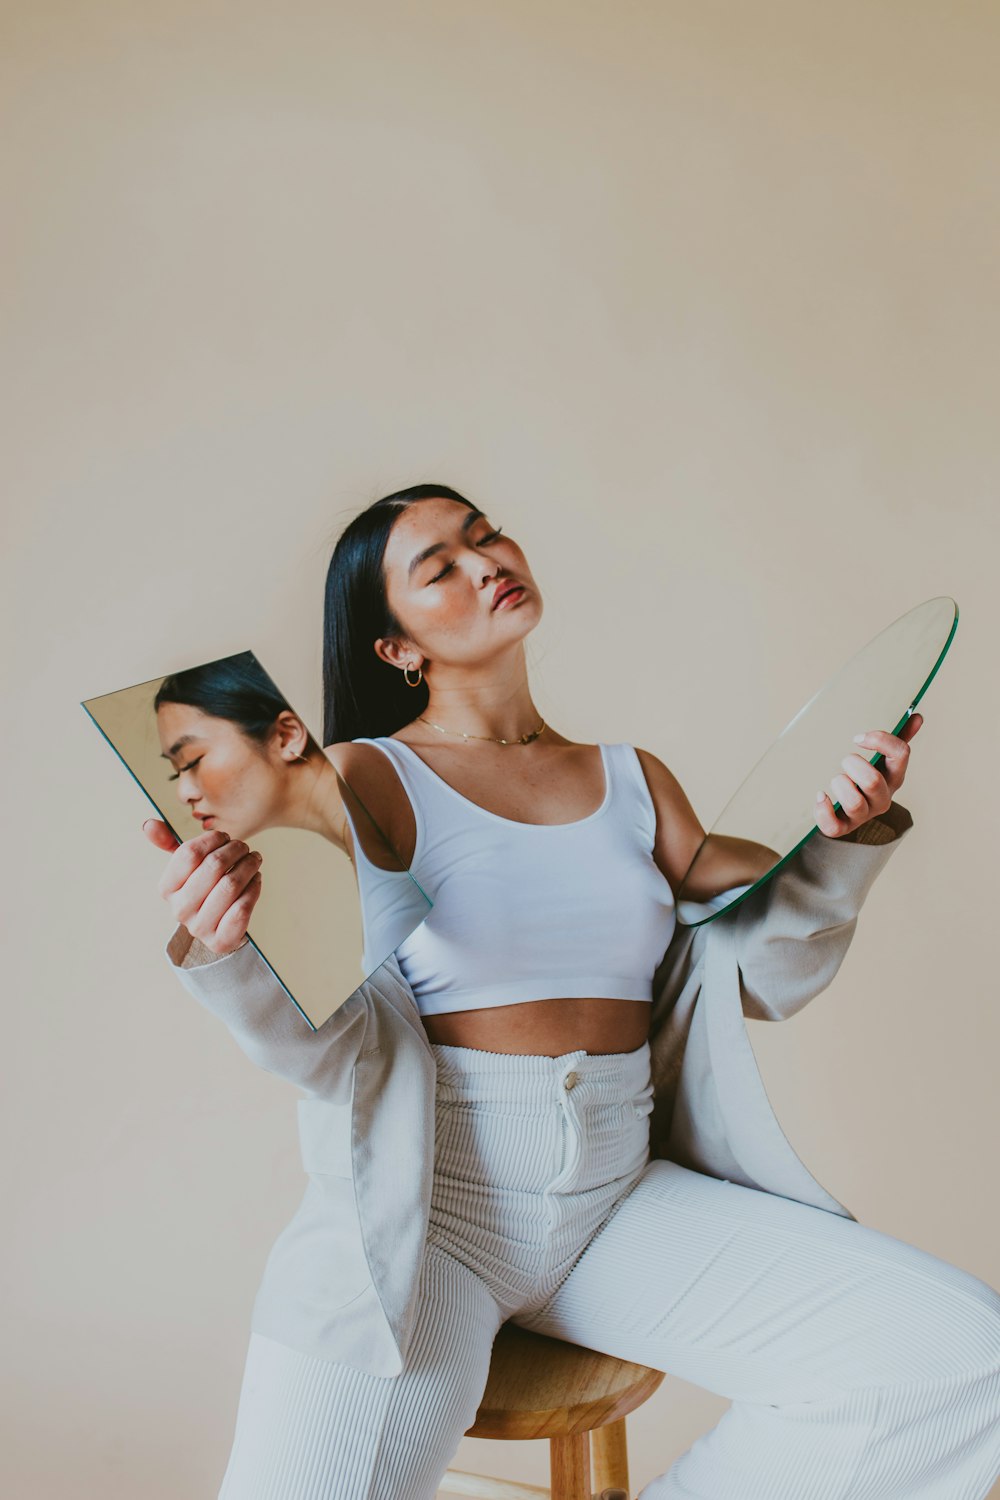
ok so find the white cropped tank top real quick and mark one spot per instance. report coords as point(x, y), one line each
point(522, 911)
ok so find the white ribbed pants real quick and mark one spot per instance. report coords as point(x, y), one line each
point(857, 1365)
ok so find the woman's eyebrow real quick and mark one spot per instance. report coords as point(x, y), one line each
point(185, 739)
point(470, 520)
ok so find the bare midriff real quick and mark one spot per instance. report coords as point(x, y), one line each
point(548, 1028)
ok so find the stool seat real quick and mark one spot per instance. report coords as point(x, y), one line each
point(541, 1387)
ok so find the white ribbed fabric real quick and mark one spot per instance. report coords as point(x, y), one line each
point(858, 1366)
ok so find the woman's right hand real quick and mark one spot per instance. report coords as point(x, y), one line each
point(211, 884)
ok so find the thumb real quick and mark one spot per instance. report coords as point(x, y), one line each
point(159, 834)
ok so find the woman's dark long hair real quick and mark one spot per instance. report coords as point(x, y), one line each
point(363, 695)
point(234, 687)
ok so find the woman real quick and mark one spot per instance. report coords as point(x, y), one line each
point(856, 1364)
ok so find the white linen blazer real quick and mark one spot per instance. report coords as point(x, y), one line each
point(341, 1279)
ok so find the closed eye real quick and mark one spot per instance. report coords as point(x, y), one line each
point(490, 536)
point(185, 768)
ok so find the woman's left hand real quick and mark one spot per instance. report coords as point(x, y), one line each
point(864, 791)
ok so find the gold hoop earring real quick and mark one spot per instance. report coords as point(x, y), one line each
point(420, 677)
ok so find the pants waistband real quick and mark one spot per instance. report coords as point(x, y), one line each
point(498, 1075)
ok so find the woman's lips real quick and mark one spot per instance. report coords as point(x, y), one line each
point(510, 597)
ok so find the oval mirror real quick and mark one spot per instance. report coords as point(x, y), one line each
point(772, 814)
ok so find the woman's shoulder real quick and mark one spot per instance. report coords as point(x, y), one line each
point(679, 833)
point(369, 773)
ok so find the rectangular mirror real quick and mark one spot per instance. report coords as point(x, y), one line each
point(213, 740)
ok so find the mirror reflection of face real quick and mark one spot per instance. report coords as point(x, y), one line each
point(443, 563)
point(225, 779)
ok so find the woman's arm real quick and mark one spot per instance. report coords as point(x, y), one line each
point(211, 884)
point(792, 933)
point(791, 942)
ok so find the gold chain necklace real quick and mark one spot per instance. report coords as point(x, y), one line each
point(524, 739)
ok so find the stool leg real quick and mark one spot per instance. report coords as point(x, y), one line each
point(569, 1467)
point(609, 1451)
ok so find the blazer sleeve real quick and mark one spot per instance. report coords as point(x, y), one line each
point(241, 990)
point(792, 934)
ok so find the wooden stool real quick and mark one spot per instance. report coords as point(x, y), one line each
point(542, 1387)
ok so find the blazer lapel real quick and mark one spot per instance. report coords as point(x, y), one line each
point(769, 957)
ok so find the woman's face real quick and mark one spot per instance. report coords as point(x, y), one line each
point(225, 779)
point(444, 564)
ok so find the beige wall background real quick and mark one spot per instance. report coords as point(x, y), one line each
point(700, 301)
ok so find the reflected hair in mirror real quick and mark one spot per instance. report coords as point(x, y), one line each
point(234, 687)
